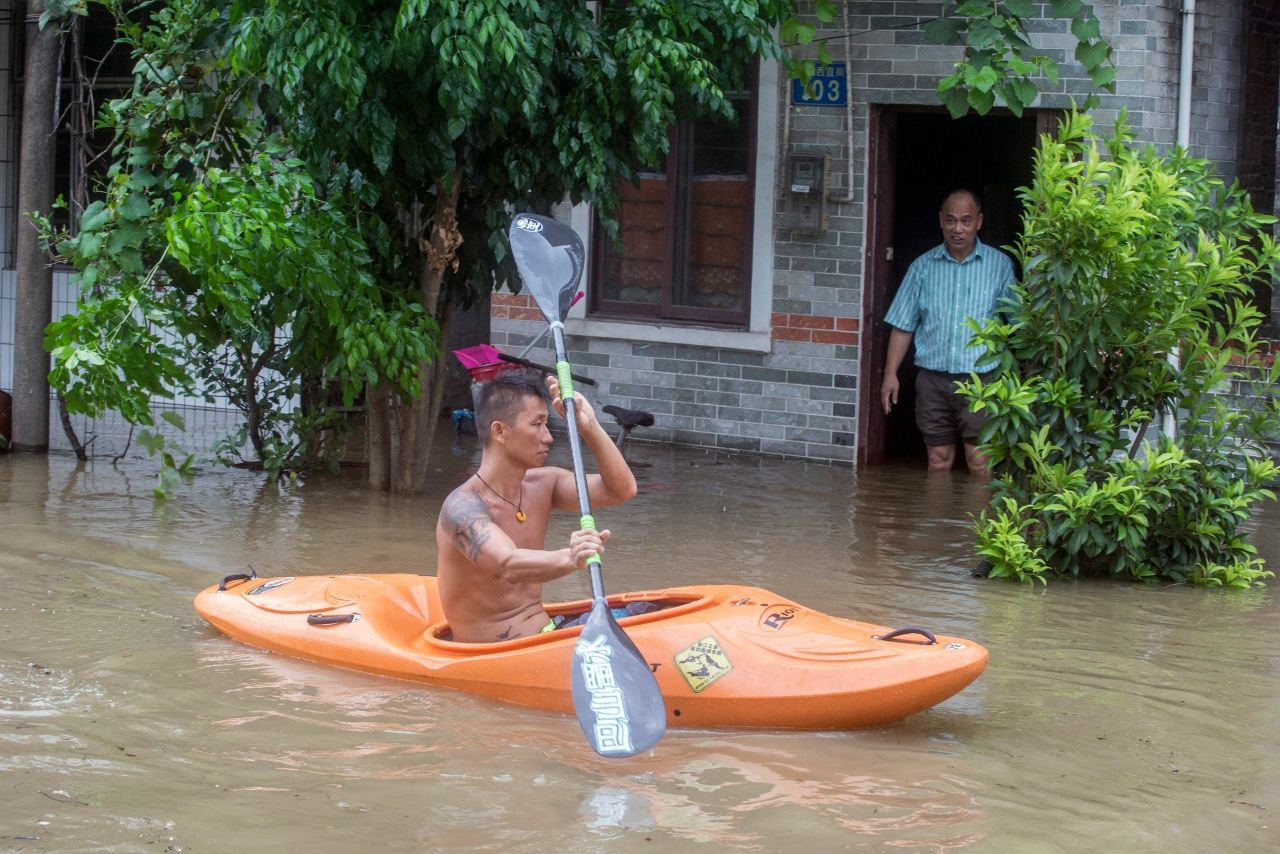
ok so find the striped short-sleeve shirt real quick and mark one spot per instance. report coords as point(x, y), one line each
point(936, 296)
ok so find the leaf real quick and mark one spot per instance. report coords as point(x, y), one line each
point(956, 100)
point(1010, 97)
point(179, 246)
point(945, 30)
point(94, 217)
point(981, 79)
point(1103, 77)
point(1085, 29)
point(135, 207)
point(795, 31)
point(141, 180)
point(89, 244)
point(1092, 55)
point(981, 101)
point(89, 357)
point(1026, 91)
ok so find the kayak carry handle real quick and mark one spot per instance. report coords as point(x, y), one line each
point(329, 619)
point(906, 630)
point(239, 576)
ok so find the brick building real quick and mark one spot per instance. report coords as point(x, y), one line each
point(743, 304)
point(790, 363)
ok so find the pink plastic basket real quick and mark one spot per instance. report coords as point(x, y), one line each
point(482, 361)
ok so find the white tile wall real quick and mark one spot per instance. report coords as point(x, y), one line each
point(6, 329)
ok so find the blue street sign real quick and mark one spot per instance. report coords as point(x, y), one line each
point(828, 87)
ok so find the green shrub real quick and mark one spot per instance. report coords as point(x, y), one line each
point(1134, 302)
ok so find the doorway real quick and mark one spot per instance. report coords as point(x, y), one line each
point(917, 156)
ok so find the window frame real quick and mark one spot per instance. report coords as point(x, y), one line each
point(71, 138)
point(88, 147)
point(678, 212)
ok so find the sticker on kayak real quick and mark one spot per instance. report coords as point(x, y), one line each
point(954, 646)
point(269, 585)
point(776, 618)
point(702, 663)
point(524, 223)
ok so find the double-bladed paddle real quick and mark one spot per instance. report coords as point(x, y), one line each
point(615, 694)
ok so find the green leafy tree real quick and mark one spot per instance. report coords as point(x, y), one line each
point(415, 127)
point(441, 117)
point(211, 264)
point(1135, 301)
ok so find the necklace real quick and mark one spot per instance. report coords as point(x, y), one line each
point(520, 517)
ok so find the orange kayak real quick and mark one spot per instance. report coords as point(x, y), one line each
point(723, 655)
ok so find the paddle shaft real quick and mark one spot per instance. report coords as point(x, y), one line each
point(586, 520)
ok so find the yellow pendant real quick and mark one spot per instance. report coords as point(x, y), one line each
point(520, 517)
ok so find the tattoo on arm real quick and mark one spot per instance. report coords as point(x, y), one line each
point(466, 518)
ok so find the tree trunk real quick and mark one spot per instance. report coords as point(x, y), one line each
point(401, 431)
point(64, 416)
point(253, 368)
point(436, 395)
point(412, 423)
point(377, 419)
point(34, 275)
point(440, 251)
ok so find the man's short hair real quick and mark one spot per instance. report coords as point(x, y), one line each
point(502, 398)
point(961, 191)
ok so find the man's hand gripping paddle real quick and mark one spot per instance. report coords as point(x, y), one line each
point(615, 694)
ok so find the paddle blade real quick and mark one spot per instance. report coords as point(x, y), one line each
point(549, 256)
point(615, 694)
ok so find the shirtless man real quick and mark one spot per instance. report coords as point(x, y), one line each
point(492, 529)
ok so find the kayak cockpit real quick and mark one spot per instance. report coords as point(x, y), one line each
point(669, 604)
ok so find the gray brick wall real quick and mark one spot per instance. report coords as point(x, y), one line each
point(797, 401)
point(1217, 90)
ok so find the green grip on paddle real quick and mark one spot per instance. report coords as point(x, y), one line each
point(566, 382)
point(587, 522)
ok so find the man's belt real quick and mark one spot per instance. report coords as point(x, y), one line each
point(962, 377)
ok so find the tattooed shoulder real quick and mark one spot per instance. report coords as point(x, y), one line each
point(466, 519)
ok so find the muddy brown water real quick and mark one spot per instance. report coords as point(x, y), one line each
point(1110, 718)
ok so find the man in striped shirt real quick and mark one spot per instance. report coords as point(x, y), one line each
point(959, 279)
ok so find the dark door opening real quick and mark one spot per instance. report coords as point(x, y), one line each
point(918, 157)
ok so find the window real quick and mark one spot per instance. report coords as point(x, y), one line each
point(685, 230)
point(94, 69)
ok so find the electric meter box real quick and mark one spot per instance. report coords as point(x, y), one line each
point(806, 192)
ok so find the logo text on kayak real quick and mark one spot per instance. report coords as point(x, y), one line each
point(778, 619)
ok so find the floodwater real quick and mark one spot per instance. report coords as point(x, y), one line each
point(1111, 717)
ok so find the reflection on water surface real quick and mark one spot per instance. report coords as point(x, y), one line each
point(1110, 718)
